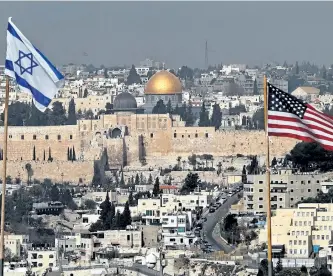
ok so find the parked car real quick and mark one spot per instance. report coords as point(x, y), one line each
point(212, 210)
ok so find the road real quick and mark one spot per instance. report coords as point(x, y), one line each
point(212, 235)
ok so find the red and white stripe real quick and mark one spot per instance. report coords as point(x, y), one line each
point(314, 127)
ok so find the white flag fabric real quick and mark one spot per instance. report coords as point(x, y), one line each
point(33, 72)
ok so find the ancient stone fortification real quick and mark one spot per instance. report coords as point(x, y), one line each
point(128, 138)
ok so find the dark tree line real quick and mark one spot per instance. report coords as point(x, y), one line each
point(215, 120)
point(21, 114)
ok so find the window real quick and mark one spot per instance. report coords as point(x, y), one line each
point(183, 136)
point(206, 135)
point(10, 136)
point(70, 137)
point(128, 237)
point(295, 242)
point(196, 135)
point(40, 264)
point(291, 182)
point(260, 198)
point(50, 264)
point(151, 135)
point(309, 190)
point(59, 137)
point(34, 137)
point(175, 135)
point(40, 256)
point(46, 137)
point(51, 256)
point(291, 199)
point(261, 190)
point(260, 182)
point(302, 182)
point(172, 240)
point(260, 206)
point(291, 190)
point(309, 181)
point(22, 137)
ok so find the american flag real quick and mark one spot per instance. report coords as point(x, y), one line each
point(291, 117)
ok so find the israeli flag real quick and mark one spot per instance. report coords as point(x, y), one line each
point(33, 72)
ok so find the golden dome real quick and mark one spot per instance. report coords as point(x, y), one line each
point(163, 82)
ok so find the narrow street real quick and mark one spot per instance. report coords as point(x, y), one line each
point(211, 227)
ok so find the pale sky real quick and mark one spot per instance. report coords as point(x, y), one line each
point(117, 33)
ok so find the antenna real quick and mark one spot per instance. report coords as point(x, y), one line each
point(206, 55)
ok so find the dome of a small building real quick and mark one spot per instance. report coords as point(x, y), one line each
point(124, 101)
point(151, 260)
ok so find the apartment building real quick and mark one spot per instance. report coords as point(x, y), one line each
point(41, 259)
point(176, 229)
point(302, 230)
point(92, 242)
point(287, 188)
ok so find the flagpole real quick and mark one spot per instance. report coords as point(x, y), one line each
point(3, 195)
point(268, 185)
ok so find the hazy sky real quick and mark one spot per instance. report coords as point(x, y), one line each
point(116, 33)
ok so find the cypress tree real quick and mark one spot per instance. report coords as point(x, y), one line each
point(74, 156)
point(156, 189)
point(216, 116)
point(126, 216)
point(71, 120)
point(204, 119)
point(34, 154)
point(150, 180)
point(137, 179)
point(189, 115)
point(70, 155)
point(50, 157)
point(44, 155)
point(169, 107)
point(105, 212)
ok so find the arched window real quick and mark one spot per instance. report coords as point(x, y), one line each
point(59, 137)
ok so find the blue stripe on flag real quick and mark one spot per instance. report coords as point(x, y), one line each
point(38, 96)
point(53, 68)
point(12, 31)
point(9, 65)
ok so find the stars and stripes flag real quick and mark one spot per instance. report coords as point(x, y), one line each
point(293, 118)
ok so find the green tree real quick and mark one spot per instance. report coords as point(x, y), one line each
point(73, 154)
point(54, 193)
point(150, 180)
point(137, 179)
point(89, 204)
point(203, 119)
point(263, 268)
point(68, 154)
point(150, 74)
point(126, 216)
point(71, 113)
point(97, 179)
point(192, 181)
point(50, 156)
point(274, 162)
point(57, 116)
point(122, 181)
point(17, 114)
point(156, 189)
point(34, 154)
point(258, 119)
point(89, 115)
point(159, 108)
point(296, 68)
point(105, 212)
point(29, 170)
point(193, 161)
point(106, 75)
point(189, 115)
point(255, 87)
point(185, 73)
point(216, 118)
point(85, 93)
point(169, 107)
point(133, 77)
point(324, 72)
point(131, 199)
point(304, 270)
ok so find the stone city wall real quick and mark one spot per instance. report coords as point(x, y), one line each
point(72, 171)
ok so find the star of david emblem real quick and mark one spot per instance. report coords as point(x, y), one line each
point(26, 62)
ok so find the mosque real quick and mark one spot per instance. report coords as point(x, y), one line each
point(165, 86)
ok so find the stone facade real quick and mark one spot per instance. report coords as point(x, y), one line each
point(127, 139)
